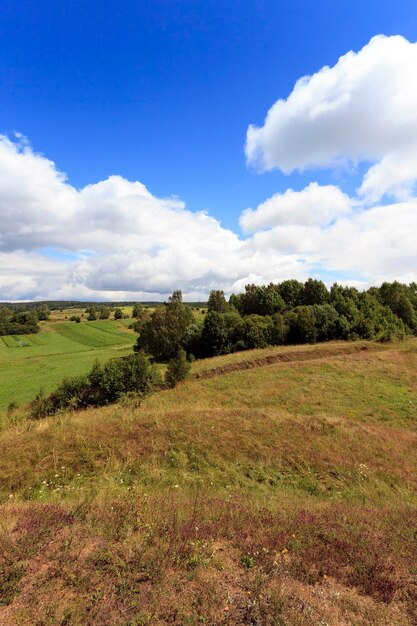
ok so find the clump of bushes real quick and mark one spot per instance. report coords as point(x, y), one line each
point(103, 385)
point(18, 322)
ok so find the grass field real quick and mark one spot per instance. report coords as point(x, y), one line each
point(29, 362)
point(275, 494)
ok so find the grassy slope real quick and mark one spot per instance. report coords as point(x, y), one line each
point(28, 362)
point(283, 494)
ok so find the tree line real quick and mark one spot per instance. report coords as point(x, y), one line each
point(290, 312)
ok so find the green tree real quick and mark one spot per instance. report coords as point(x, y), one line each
point(162, 334)
point(178, 369)
point(137, 310)
point(258, 300)
point(327, 322)
point(215, 337)
point(103, 312)
point(399, 298)
point(315, 292)
point(291, 291)
point(279, 331)
point(255, 331)
point(43, 312)
point(301, 325)
point(217, 302)
point(92, 313)
point(191, 341)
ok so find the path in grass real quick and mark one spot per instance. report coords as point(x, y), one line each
point(275, 357)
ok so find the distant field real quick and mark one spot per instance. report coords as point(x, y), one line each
point(94, 334)
point(61, 316)
point(29, 362)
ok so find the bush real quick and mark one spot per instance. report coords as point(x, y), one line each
point(12, 407)
point(178, 369)
point(103, 385)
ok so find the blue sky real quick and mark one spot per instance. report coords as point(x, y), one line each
point(163, 92)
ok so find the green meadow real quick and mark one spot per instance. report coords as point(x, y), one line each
point(31, 362)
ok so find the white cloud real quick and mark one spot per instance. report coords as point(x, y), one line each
point(112, 239)
point(314, 205)
point(377, 244)
point(362, 109)
point(395, 174)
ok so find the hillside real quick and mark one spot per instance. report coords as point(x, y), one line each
point(275, 487)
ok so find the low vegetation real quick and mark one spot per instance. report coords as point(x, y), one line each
point(277, 494)
point(103, 385)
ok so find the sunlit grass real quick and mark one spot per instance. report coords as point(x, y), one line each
point(31, 362)
point(241, 498)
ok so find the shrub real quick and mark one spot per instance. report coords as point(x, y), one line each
point(12, 407)
point(178, 369)
point(103, 385)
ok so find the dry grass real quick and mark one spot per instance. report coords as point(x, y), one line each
point(275, 495)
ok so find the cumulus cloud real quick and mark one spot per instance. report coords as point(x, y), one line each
point(378, 243)
point(362, 109)
point(113, 239)
point(314, 205)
